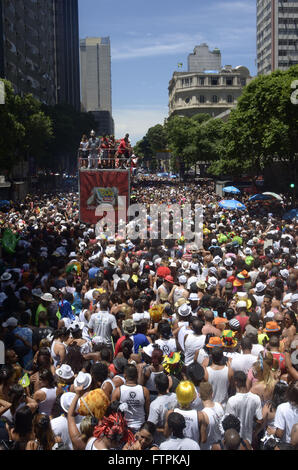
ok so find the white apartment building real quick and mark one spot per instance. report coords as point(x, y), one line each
point(277, 35)
point(205, 90)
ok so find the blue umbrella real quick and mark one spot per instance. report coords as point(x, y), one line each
point(231, 189)
point(290, 215)
point(4, 203)
point(260, 197)
point(231, 204)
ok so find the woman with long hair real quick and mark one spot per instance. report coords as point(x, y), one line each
point(151, 371)
point(44, 438)
point(46, 395)
point(266, 372)
point(144, 438)
point(21, 432)
point(42, 361)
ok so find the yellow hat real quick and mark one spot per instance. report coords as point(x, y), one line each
point(185, 392)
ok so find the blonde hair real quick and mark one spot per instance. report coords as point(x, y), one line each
point(265, 369)
point(86, 428)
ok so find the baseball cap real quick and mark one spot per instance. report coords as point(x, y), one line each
point(12, 321)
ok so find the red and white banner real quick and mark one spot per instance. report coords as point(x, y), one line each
point(102, 188)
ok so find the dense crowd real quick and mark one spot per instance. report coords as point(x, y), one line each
point(114, 343)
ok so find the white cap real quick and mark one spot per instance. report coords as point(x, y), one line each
point(12, 321)
point(83, 380)
point(182, 279)
point(260, 287)
point(212, 281)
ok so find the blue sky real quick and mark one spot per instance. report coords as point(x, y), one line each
point(150, 37)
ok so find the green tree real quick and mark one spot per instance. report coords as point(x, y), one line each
point(262, 129)
point(25, 130)
point(157, 138)
point(143, 149)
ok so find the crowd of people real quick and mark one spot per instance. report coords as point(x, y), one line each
point(104, 152)
point(113, 343)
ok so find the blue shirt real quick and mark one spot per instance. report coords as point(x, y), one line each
point(92, 273)
point(139, 340)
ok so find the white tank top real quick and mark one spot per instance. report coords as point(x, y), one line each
point(214, 414)
point(191, 430)
point(119, 376)
point(192, 344)
point(55, 357)
point(178, 293)
point(90, 444)
point(219, 379)
point(134, 397)
point(109, 381)
point(182, 333)
point(46, 405)
point(150, 384)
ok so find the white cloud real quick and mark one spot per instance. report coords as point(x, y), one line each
point(165, 44)
point(137, 120)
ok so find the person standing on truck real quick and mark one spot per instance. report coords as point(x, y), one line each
point(93, 147)
point(124, 150)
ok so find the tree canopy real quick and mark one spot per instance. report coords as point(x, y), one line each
point(263, 128)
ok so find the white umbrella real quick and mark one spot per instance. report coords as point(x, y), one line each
point(274, 195)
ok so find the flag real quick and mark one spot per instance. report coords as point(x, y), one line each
point(180, 65)
point(24, 381)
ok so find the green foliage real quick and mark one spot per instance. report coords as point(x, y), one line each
point(157, 138)
point(263, 128)
point(25, 129)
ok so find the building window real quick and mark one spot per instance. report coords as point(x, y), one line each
point(229, 81)
point(186, 82)
point(214, 99)
point(243, 81)
point(187, 100)
point(214, 81)
point(202, 99)
point(230, 99)
point(202, 80)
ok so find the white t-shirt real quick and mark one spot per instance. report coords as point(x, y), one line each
point(175, 443)
point(256, 349)
point(246, 406)
point(243, 362)
point(60, 428)
point(285, 418)
point(102, 324)
point(182, 333)
point(192, 344)
point(158, 410)
point(167, 345)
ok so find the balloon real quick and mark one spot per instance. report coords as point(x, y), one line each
point(185, 392)
point(97, 403)
point(9, 241)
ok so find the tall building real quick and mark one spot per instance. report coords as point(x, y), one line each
point(206, 87)
point(68, 52)
point(39, 49)
point(27, 48)
point(203, 59)
point(277, 35)
point(96, 81)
